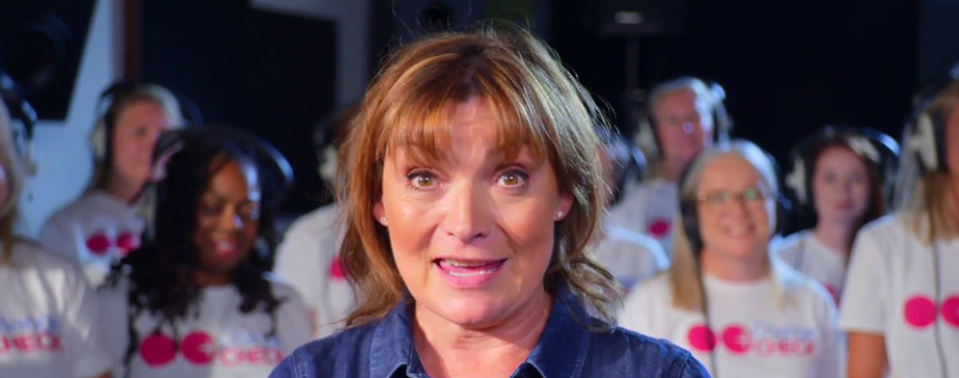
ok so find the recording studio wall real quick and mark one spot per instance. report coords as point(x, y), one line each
point(269, 73)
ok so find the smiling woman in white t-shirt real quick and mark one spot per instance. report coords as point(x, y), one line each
point(194, 301)
point(48, 313)
point(901, 301)
point(839, 180)
point(740, 312)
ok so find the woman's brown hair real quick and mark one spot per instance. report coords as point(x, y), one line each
point(538, 104)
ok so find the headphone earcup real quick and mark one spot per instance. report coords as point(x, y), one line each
point(98, 141)
point(784, 213)
point(922, 142)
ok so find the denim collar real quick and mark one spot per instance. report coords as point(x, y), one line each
point(561, 351)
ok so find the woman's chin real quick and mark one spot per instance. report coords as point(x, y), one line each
point(471, 312)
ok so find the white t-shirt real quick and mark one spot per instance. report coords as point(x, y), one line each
point(221, 343)
point(48, 318)
point(755, 334)
point(307, 259)
point(891, 291)
point(804, 252)
point(94, 230)
point(650, 210)
point(631, 257)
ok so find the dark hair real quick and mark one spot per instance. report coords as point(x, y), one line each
point(161, 270)
point(807, 215)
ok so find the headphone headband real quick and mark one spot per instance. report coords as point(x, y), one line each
point(173, 140)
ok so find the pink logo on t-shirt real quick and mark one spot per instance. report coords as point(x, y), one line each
point(702, 338)
point(157, 349)
point(659, 228)
point(737, 339)
point(30, 334)
point(764, 340)
point(99, 244)
point(236, 347)
point(920, 311)
point(337, 270)
point(834, 292)
point(199, 348)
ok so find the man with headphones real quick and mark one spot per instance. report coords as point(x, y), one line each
point(685, 116)
point(102, 224)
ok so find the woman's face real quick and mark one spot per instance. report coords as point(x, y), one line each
point(227, 219)
point(471, 236)
point(683, 125)
point(840, 185)
point(137, 128)
point(736, 215)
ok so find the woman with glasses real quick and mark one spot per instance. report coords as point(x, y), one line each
point(740, 312)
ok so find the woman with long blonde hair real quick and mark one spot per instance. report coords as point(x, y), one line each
point(901, 301)
point(102, 225)
point(724, 298)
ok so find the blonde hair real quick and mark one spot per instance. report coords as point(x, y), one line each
point(537, 103)
point(684, 273)
point(929, 210)
point(140, 93)
point(9, 210)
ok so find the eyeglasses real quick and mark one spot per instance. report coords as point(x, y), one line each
point(723, 197)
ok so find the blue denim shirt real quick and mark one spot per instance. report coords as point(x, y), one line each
point(567, 349)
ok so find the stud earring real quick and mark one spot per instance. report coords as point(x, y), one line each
point(383, 220)
point(559, 215)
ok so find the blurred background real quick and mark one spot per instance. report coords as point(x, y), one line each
point(278, 67)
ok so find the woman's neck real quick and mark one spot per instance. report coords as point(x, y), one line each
point(207, 279)
point(673, 170)
point(735, 268)
point(449, 350)
point(838, 236)
point(122, 189)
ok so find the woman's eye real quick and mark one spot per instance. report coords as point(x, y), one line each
point(422, 180)
point(513, 179)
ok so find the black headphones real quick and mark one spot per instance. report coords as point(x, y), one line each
point(172, 141)
point(878, 148)
point(926, 129)
point(101, 135)
point(688, 206)
point(22, 138)
point(648, 137)
point(630, 159)
point(328, 135)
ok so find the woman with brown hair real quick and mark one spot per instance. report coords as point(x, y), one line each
point(472, 188)
point(840, 180)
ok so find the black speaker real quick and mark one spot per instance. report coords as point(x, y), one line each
point(41, 43)
point(636, 18)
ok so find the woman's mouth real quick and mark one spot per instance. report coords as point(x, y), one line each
point(225, 248)
point(469, 273)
